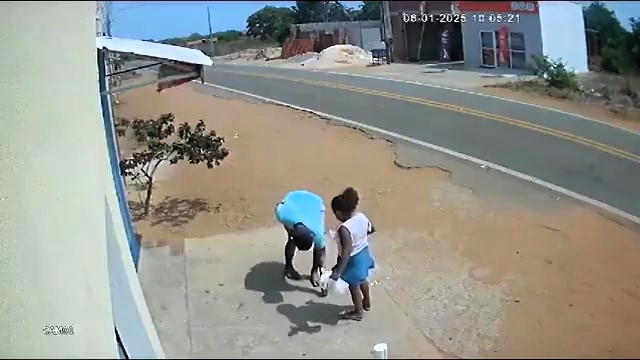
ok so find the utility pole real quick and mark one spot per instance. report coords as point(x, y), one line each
point(388, 30)
point(213, 54)
point(423, 10)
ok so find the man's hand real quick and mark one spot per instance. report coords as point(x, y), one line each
point(315, 277)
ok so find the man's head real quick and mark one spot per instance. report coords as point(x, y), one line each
point(301, 236)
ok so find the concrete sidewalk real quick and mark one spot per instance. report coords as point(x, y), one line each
point(455, 77)
point(225, 297)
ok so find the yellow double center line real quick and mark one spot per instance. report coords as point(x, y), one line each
point(459, 109)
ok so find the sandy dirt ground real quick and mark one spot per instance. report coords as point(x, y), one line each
point(480, 274)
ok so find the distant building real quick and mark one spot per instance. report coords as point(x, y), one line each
point(365, 34)
point(413, 39)
point(507, 34)
point(492, 34)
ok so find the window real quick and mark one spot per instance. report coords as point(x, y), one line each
point(517, 41)
point(487, 39)
point(517, 50)
point(515, 57)
point(488, 48)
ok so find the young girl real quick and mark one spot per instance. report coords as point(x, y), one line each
point(354, 261)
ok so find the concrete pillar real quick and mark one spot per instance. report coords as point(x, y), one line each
point(53, 248)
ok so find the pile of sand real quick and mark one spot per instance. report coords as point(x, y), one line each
point(332, 57)
point(339, 55)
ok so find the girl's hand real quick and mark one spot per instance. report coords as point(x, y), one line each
point(333, 269)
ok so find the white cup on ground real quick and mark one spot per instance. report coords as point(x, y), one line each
point(380, 351)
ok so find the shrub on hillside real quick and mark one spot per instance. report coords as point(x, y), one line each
point(555, 73)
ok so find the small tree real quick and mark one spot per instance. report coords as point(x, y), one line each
point(555, 73)
point(161, 143)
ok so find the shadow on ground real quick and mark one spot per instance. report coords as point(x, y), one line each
point(266, 277)
point(310, 312)
point(171, 211)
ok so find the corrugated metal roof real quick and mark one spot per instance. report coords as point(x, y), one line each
point(156, 50)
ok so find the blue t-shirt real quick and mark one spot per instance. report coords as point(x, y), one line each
point(304, 207)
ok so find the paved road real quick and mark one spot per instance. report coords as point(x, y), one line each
point(592, 159)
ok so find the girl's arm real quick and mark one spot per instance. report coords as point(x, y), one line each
point(333, 269)
point(345, 244)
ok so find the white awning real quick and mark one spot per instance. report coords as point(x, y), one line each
point(177, 65)
point(156, 50)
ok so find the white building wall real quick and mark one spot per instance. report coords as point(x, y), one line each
point(563, 33)
point(131, 314)
point(53, 248)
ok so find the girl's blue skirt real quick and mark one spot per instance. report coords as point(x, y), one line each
point(358, 268)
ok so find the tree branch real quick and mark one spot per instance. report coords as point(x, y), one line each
point(155, 167)
point(145, 173)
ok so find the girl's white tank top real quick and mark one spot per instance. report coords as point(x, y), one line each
point(359, 227)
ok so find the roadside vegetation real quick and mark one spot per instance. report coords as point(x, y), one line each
point(274, 23)
point(614, 79)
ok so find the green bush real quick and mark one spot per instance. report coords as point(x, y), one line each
point(555, 73)
point(615, 58)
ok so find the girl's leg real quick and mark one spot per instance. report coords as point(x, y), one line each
point(356, 297)
point(366, 295)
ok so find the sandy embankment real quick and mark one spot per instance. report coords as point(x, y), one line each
point(512, 280)
point(333, 57)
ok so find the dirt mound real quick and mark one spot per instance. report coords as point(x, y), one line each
point(620, 94)
point(339, 55)
point(297, 59)
point(266, 54)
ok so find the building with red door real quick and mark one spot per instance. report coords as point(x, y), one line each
point(490, 34)
point(507, 34)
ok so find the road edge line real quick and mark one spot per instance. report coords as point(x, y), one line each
point(470, 92)
point(532, 126)
point(585, 199)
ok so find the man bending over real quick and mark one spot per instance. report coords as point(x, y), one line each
point(302, 214)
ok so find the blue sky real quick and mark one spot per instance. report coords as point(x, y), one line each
point(164, 19)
